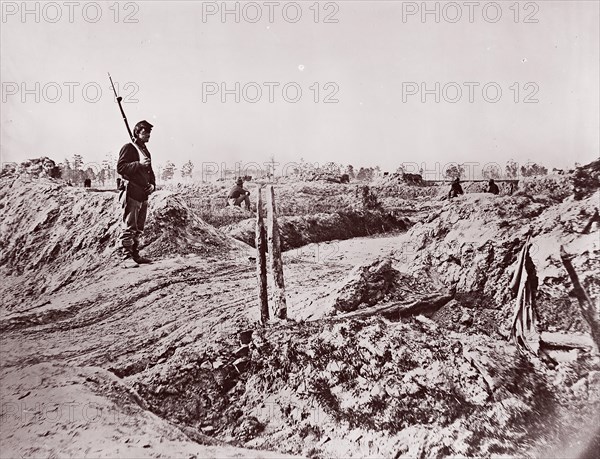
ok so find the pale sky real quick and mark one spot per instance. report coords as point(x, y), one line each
point(372, 57)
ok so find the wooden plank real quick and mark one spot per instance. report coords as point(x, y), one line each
point(275, 256)
point(566, 341)
point(261, 260)
point(427, 304)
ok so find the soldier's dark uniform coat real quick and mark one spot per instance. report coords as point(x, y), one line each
point(138, 175)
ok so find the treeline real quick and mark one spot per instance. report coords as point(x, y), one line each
point(495, 171)
point(75, 171)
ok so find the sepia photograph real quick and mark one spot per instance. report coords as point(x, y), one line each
point(300, 229)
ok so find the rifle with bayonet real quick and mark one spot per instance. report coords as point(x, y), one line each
point(119, 99)
point(141, 149)
point(121, 183)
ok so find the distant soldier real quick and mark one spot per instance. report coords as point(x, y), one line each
point(137, 184)
point(455, 189)
point(492, 187)
point(237, 195)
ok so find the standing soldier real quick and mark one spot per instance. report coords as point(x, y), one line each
point(138, 182)
point(455, 189)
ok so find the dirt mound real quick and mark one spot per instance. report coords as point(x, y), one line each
point(320, 227)
point(324, 176)
point(472, 245)
point(292, 197)
point(357, 388)
point(173, 229)
point(364, 286)
point(35, 168)
point(555, 187)
point(52, 234)
point(378, 283)
point(343, 385)
point(390, 193)
point(586, 179)
point(307, 198)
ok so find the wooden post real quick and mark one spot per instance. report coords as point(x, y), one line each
point(261, 260)
point(275, 256)
point(588, 308)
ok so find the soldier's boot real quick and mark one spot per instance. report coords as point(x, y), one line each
point(139, 259)
point(128, 260)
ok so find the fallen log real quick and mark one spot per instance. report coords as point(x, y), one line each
point(427, 304)
point(588, 308)
point(555, 340)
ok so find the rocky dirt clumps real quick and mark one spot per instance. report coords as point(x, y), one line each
point(473, 242)
point(34, 168)
point(586, 180)
point(556, 188)
point(358, 387)
point(173, 229)
point(379, 283)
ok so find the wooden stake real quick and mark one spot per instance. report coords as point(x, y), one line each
point(261, 260)
point(275, 256)
point(587, 306)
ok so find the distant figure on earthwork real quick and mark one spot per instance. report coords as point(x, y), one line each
point(412, 178)
point(492, 187)
point(237, 195)
point(455, 189)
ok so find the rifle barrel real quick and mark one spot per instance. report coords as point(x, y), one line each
point(119, 99)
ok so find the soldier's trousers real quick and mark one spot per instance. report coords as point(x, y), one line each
point(238, 202)
point(134, 219)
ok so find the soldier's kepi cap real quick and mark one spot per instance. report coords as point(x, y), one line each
point(143, 125)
